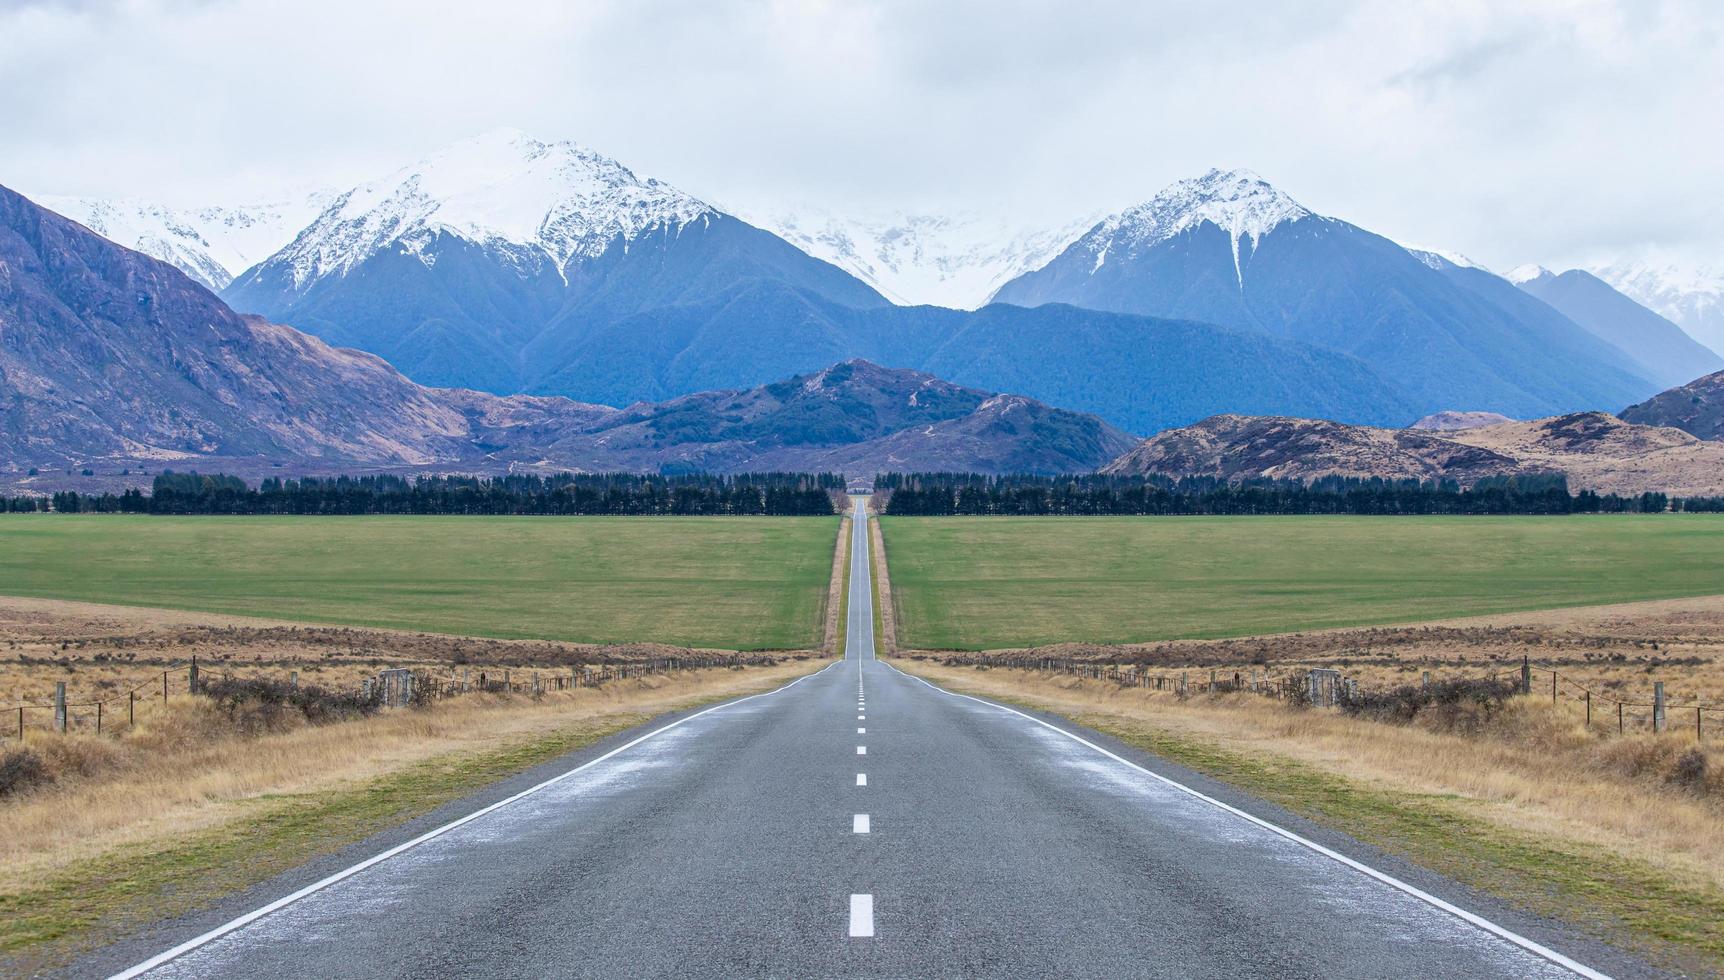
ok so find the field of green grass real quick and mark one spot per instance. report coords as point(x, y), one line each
point(989, 582)
point(745, 583)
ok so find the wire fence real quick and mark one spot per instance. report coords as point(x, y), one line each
point(1328, 687)
point(390, 688)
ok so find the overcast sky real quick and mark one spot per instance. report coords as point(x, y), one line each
point(1556, 131)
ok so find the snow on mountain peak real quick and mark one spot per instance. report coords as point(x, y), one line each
point(210, 244)
point(1436, 258)
point(1238, 202)
point(556, 201)
point(1527, 273)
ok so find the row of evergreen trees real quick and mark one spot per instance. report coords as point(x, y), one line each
point(938, 494)
point(773, 494)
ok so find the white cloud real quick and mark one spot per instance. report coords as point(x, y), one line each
point(1550, 130)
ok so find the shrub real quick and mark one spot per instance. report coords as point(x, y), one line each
point(1450, 706)
point(20, 770)
point(258, 705)
point(1690, 769)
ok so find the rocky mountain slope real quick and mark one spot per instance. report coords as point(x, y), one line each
point(1231, 249)
point(1595, 450)
point(1660, 349)
point(1696, 408)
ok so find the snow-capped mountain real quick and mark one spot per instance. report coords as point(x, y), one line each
point(210, 244)
point(1688, 294)
point(1239, 202)
point(504, 262)
point(504, 191)
point(954, 260)
point(1230, 248)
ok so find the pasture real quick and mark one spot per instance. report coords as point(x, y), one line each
point(990, 582)
point(736, 583)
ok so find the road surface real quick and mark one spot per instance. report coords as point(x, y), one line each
point(860, 822)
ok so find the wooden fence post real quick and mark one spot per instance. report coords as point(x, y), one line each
point(1525, 674)
point(192, 677)
point(98, 717)
point(60, 707)
point(1553, 687)
point(164, 685)
point(293, 679)
point(20, 723)
point(132, 711)
point(1589, 708)
point(1658, 706)
point(1619, 717)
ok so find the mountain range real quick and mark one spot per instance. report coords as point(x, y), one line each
point(509, 265)
point(111, 357)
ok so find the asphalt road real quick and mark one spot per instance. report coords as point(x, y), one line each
point(861, 822)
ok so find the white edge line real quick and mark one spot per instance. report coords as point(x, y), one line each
point(1488, 926)
point(317, 886)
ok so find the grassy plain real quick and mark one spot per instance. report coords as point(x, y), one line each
point(990, 582)
point(736, 583)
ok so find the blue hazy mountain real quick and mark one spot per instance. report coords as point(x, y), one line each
point(1661, 349)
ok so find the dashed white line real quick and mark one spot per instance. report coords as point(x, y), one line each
point(861, 779)
point(861, 731)
point(859, 823)
point(861, 750)
point(861, 916)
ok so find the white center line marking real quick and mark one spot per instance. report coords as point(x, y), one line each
point(861, 750)
point(861, 717)
point(859, 823)
point(861, 779)
point(861, 731)
point(861, 916)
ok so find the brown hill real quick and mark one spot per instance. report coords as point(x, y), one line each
point(1245, 447)
point(1601, 452)
point(1595, 450)
point(1696, 408)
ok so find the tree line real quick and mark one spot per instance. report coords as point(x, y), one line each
point(627, 494)
point(942, 494)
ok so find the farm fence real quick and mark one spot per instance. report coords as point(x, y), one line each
point(390, 688)
point(1325, 687)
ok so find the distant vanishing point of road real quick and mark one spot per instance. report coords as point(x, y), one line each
point(860, 822)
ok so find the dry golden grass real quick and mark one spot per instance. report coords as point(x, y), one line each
point(103, 651)
point(185, 768)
